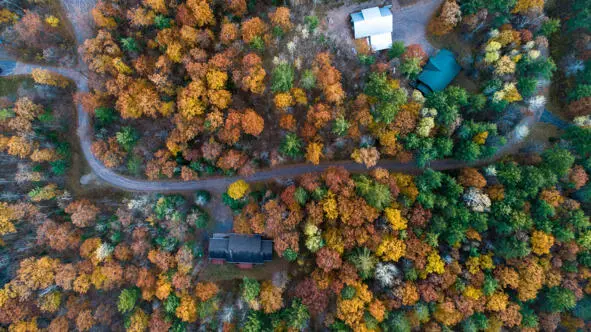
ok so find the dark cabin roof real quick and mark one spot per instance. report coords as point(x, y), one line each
point(240, 248)
point(439, 71)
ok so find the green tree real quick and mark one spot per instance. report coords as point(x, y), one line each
point(162, 22)
point(250, 289)
point(365, 262)
point(477, 103)
point(59, 167)
point(253, 322)
point(366, 60)
point(550, 26)
point(558, 161)
point(527, 86)
point(581, 15)
point(129, 44)
point(298, 315)
point(201, 218)
point(468, 150)
point(584, 194)
point(385, 112)
point(258, 43)
point(282, 78)
point(290, 255)
point(558, 299)
point(580, 140)
point(443, 102)
point(312, 22)
point(127, 137)
point(396, 322)
point(167, 205)
point(511, 247)
point(458, 95)
point(105, 115)
point(6, 114)
point(291, 146)
point(583, 309)
point(579, 92)
point(411, 68)
point(348, 292)
point(171, 303)
point(540, 67)
point(301, 195)
point(340, 126)
point(134, 164)
point(375, 194)
point(397, 49)
point(500, 6)
point(308, 80)
point(477, 322)
point(379, 87)
point(127, 300)
point(278, 32)
point(389, 99)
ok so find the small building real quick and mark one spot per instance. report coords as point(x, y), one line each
point(438, 73)
point(242, 249)
point(375, 25)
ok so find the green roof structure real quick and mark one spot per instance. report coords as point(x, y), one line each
point(439, 71)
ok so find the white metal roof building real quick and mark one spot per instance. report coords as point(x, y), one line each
point(375, 24)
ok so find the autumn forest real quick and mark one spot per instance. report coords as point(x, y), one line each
point(135, 134)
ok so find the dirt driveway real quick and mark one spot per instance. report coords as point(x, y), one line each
point(410, 22)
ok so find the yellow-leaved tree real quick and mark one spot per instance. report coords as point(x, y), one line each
point(314, 152)
point(238, 189)
point(391, 249)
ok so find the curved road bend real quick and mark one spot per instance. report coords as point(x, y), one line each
point(220, 183)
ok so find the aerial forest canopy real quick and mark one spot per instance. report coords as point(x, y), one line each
point(469, 223)
point(226, 87)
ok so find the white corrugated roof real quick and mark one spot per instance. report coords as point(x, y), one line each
point(381, 42)
point(371, 13)
point(373, 23)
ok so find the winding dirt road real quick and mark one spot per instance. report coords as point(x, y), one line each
point(218, 184)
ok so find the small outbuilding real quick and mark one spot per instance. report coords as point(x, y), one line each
point(242, 249)
point(438, 73)
point(375, 25)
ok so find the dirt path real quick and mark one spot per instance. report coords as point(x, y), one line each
point(410, 23)
point(79, 14)
point(219, 184)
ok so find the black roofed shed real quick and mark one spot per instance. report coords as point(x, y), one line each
point(240, 248)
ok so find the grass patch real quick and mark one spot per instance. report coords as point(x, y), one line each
point(9, 85)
